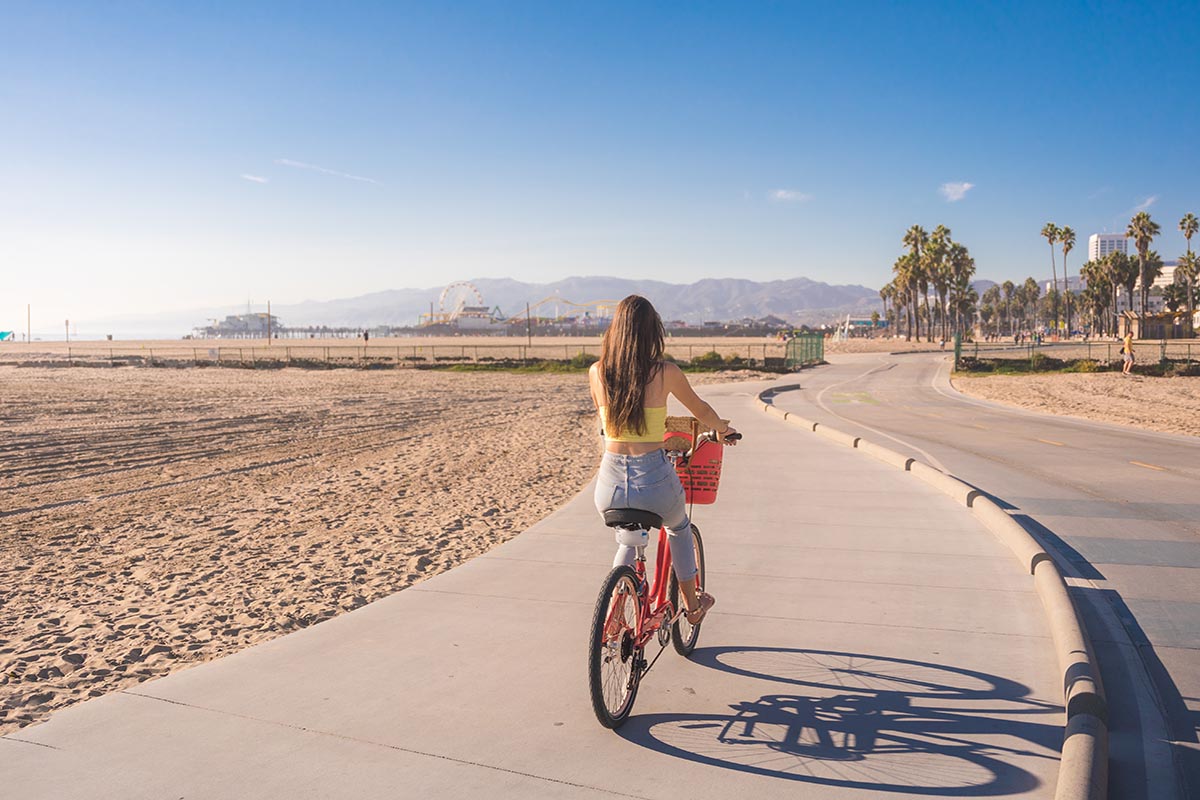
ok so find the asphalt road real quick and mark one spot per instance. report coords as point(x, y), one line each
point(1119, 507)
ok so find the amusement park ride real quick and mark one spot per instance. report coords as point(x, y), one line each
point(461, 305)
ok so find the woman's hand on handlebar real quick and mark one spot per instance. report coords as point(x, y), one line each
point(729, 436)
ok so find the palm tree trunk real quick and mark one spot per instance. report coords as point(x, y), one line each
point(1054, 270)
point(916, 317)
point(1145, 292)
point(1190, 307)
point(1066, 296)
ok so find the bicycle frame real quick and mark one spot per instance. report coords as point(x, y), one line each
point(620, 635)
point(656, 613)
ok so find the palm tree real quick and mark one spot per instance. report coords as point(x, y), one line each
point(1189, 225)
point(915, 239)
point(1032, 290)
point(962, 267)
point(1188, 270)
point(1124, 272)
point(1050, 231)
point(888, 293)
point(904, 294)
point(966, 300)
point(937, 268)
point(1066, 237)
point(1097, 294)
point(1174, 296)
point(1009, 288)
point(1142, 230)
point(991, 301)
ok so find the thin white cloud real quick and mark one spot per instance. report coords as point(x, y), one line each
point(254, 178)
point(955, 190)
point(287, 162)
point(1145, 204)
point(789, 196)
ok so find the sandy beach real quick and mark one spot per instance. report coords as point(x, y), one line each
point(1162, 404)
point(156, 518)
point(883, 345)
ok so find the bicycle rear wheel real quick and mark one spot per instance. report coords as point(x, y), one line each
point(684, 634)
point(614, 660)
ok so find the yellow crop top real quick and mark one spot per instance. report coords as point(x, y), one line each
point(656, 426)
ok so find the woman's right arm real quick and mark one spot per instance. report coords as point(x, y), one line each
point(677, 384)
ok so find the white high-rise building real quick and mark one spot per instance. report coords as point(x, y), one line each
point(1101, 244)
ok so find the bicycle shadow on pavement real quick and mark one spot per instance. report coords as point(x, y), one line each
point(866, 722)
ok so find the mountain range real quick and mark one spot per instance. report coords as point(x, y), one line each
point(798, 300)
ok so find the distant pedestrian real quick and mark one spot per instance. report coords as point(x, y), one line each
point(1127, 353)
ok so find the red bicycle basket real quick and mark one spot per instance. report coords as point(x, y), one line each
point(702, 474)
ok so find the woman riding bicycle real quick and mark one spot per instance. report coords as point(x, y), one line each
point(630, 384)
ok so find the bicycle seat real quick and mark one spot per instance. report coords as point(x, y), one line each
point(632, 518)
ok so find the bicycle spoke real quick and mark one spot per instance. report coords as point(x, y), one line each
point(615, 655)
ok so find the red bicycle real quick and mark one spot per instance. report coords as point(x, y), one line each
point(632, 611)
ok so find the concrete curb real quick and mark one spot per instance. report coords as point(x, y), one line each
point(1083, 767)
point(836, 435)
point(947, 484)
point(1007, 530)
point(885, 455)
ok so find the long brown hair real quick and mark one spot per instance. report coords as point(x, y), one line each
point(630, 357)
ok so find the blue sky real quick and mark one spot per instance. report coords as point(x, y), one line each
point(157, 156)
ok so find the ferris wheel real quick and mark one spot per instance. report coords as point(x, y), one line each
point(457, 296)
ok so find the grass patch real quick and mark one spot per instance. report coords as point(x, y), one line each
point(581, 363)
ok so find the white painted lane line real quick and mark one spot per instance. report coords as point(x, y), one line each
point(820, 403)
point(1149, 466)
point(1051, 441)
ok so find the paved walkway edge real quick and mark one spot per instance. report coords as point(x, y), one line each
point(1083, 768)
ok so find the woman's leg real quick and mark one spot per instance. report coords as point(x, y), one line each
point(626, 556)
point(683, 561)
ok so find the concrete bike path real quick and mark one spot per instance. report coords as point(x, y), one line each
point(870, 639)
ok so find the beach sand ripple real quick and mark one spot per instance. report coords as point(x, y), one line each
point(156, 518)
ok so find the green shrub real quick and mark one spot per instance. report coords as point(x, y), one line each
point(970, 364)
point(734, 360)
point(1182, 369)
point(710, 359)
point(583, 360)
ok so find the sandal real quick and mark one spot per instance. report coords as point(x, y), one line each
point(696, 616)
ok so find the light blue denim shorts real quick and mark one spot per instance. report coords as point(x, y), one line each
point(648, 482)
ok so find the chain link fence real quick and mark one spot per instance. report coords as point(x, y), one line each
point(805, 348)
point(1152, 351)
point(259, 353)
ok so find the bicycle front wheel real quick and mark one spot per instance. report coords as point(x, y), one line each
point(684, 634)
point(614, 660)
